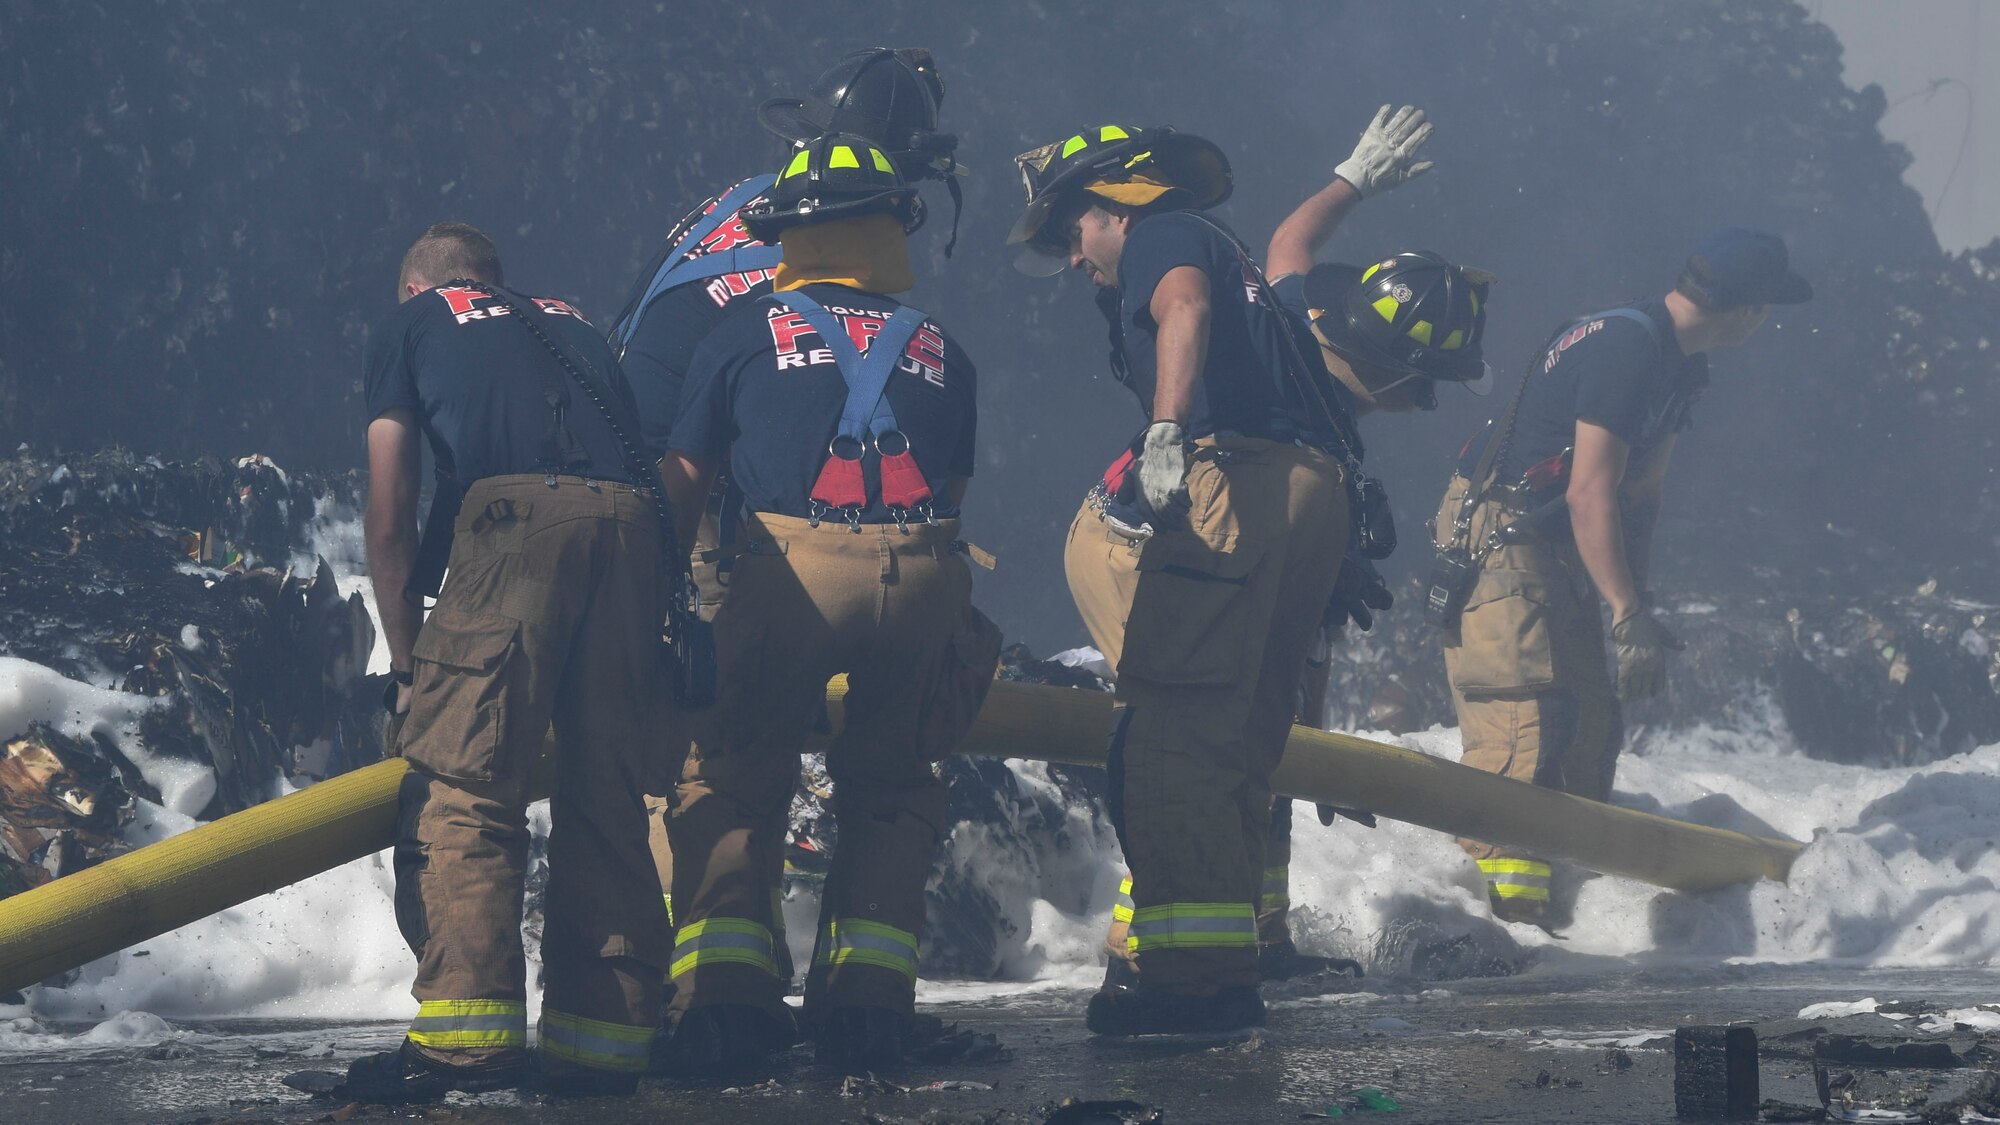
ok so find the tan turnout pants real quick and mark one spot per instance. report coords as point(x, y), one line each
point(1208, 654)
point(549, 615)
point(1529, 677)
point(892, 610)
point(710, 574)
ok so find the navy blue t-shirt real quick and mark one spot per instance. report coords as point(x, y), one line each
point(1244, 387)
point(1611, 371)
point(468, 372)
point(764, 390)
point(663, 342)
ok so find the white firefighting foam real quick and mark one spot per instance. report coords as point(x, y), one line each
point(1901, 872)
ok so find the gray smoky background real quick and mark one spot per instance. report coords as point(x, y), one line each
point(202, 206)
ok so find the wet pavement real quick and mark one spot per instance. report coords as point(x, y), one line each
point(1538, 1048)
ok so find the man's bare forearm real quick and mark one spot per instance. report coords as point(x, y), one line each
point(1598, 524)
point(686, 477)
point(392, 554)
point(1180, 308)
point(1298, 239)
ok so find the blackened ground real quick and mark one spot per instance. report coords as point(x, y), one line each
point(1522, 1049)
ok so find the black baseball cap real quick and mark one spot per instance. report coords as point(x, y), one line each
point(1739, 266)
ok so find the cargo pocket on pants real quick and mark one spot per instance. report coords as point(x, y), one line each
point(965, 675)
point(1503, 635)
point(1186, 627)
point(457, 719)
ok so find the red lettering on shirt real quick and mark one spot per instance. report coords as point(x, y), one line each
point(461, 297)
point(786, 328)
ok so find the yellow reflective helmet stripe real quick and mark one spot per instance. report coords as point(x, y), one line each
point(1112, 133)
point(1454, 341)
point(1420, 332)
point(800, 161)
point(1387, 306)
point(1073, 146)
point(881, 161)
point(1371, 271)
point(450, 1025)
point(842, 156)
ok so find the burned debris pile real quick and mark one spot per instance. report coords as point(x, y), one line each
point(1887, 681)
point(190, 584)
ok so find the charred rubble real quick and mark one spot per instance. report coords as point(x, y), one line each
point(1890, 681)
point(187, 582)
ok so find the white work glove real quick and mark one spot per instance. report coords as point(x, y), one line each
point(1163, 470)
point(1385, 157)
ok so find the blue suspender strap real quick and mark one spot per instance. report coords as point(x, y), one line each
point(867, 413)
point(677, 270)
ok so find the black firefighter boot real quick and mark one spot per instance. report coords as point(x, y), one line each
point(721, 1039)
point(1145, 1010)
point(1281, 960)
point(861, 1037)
point(406, 1076)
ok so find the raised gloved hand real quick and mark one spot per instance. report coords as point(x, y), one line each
point(1386, 156)
point(1642, 644)
point(1163, 461)
point(1358, 594)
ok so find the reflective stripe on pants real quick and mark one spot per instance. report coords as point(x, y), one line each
point(451, 1025)
point(856, 941)
point(1517, 878)
point(1277, 888)
point(1121, 907)
point(1193, 925)
point(719, 940)
point(597, 1044)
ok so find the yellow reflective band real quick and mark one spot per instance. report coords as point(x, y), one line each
point(458, 1024)
point(1073, 145)
point(799, 164)
point(1514, 867)
point(1454, 341)
point(1277, 889)
point(1194, 925)
point(857, 941)
point(1387, 306)
point(1421, 332)
point(1279, 901)
point(842, 156)
point(1113, 133)
point(1508, 890)
point(1121, 907)
point(881, 162)
point(598, 1044)
point(1370, 271)
point(714, 941)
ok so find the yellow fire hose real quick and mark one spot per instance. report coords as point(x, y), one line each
point(147, 892)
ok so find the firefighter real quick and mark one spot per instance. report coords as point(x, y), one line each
point(1389, 332)
point(1235, 492)
point(1378, 366)
point(847, 422)
point(550, 616)
point(1568, 490)
point(710, 263)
